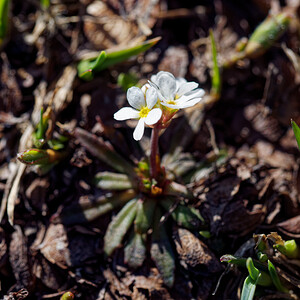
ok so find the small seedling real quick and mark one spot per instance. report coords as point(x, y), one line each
point(262, 272)
point(49, 151)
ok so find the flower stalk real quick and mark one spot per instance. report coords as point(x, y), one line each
point(154, 154)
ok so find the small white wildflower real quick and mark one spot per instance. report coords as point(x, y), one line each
point(142, 102)
point(174, 92)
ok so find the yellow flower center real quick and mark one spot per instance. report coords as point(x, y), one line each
point(144, 112)
point(172, 102)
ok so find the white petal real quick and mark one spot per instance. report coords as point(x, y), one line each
point(196, 93)
point(153, 78)
point(153, 116)
point(161, 97)
point(151, 97)
point(167, 84)
point(136, 97)
point(145, 87)
point(187, 87)
point(174, 106)
point(191, 103)
point(190, 96)
point(139, 129)
point(126, 113)
point(179, 82)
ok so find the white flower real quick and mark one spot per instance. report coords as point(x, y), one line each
point(142, 103)
point(174, 92)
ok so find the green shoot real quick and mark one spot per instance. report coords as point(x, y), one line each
point(275, 278)
point(87, 68)
point(4, 20)
point(216, 76)
point(296, 130)
point(289, 249)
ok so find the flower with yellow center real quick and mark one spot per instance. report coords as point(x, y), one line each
point(142, 102)
point(174, 92)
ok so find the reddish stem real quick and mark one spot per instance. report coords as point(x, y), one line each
point(154, 152)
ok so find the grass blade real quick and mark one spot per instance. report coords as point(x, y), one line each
point(216, 75)
point(4, 12)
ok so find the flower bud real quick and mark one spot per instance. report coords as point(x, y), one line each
point(39, 157)
point(266, 34)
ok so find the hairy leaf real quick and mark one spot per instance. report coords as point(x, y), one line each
point(187, 217)
point(89, 211)
point(161, 251)
point(113, 181)
point(135, 250)
point(119, 226)
point(144, 215)
point(104, 152)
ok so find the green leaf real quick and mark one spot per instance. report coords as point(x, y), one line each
point(144, 216)
point(187, 217)
point(104, 151)
point(275, 278)
point(161, 251)
point(177, 189)
point(83, 212)
point(135, 250)
point(240, 261)
point(119, 226)
point(291, 248)
point(248, 289)
point(253, 272)
point(39, 136)
point(4, 12)
point(113, 181)
point(127, 80)
point(262, 278)
point(296, 130)
point(216, 76)
point(87, 68)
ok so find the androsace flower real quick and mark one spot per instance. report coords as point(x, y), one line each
point(174, 92)
point(143, 102)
